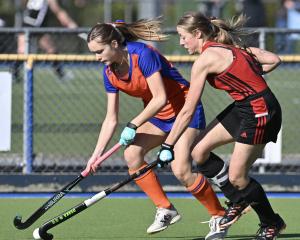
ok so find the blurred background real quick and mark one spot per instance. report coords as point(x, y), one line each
point(57, 101)
point(86, 13)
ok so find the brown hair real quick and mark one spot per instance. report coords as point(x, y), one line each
point(214, 29)
point(145, 29)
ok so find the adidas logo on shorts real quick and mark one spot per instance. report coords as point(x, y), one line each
point(244, 135)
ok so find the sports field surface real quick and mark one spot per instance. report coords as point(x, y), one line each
point(128, 218)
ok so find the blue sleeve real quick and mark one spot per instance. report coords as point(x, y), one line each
point(107, 84)
point(149, 62)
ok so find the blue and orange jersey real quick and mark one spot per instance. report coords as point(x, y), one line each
point(242, 78)
point(145, 61)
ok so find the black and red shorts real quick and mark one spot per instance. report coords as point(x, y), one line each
point(255, 120)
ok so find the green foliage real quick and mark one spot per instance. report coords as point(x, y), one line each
point(7, 12)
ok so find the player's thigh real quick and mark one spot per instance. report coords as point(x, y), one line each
point(242, 158)
point(214, 135)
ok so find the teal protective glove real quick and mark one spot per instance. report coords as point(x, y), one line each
point(165, 155)
point(128, 134)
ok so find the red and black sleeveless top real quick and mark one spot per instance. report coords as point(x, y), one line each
point(242, 78)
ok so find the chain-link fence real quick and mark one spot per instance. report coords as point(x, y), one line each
point(69, 103)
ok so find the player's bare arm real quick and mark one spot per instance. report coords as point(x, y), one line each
point(201, 68)
point(109, 124)
point(268, 60)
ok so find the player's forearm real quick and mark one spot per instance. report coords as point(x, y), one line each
point(182, 122)
point(270, 67)
point(153, 107)
point(268, 60)
point(106, 133)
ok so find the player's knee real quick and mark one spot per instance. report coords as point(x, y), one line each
point(133, 156)
point(182, 174)
point(199, 156)
point(238, 181)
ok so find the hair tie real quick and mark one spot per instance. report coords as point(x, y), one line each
point(119, 21)
point(215, 29)
point(118, 31)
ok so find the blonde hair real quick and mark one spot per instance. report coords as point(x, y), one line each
point(214, 29)
point(145, 29)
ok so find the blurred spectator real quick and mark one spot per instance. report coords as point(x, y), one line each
point(288, 17)
point(37, 13)
point(255, 12)
point(212, 8)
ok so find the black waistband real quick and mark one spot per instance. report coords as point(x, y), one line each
point(255, 96)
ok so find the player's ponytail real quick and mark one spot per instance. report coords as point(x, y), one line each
point(214, 29)
point(144, 29)
point(230, 32)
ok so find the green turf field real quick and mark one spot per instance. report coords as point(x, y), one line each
point(129, 218)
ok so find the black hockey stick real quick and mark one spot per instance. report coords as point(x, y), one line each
point(59, 195)
point(41, 233)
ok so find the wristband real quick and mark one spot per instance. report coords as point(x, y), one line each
point(167, 146)
point(131, 125)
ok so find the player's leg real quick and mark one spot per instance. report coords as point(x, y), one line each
point(243, 157)
point(197, 184)
point(210, 164)
point(214, 168)
point(148, 137)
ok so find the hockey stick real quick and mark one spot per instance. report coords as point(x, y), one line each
point(59, 195)
point(41, 233)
